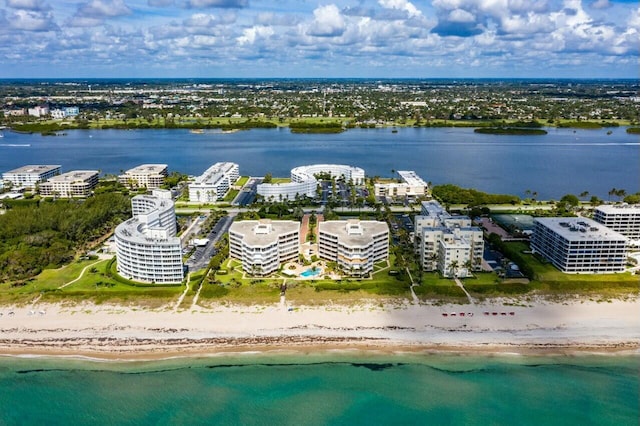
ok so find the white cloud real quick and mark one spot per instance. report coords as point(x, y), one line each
point(218, 3)
point(99, 9)
point(36, 5)
point(404, 5)
point(601, 4)
point(461, 15)
point(249, 35)
point(328, 22)
point(32, 21)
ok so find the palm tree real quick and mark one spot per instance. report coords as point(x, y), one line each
point(453, 267)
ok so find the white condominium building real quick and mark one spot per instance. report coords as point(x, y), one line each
point(214, 183)
point(147, 249)
point(78, 183)
point(412, 186)
point(579, 245)
point(623, 218)
point(355, 245)
point(304, 182)
point(263, 245)
point(146, 175)
point(29, 176)
point(447, 243)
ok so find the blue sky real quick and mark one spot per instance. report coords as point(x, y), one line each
point(287, 38)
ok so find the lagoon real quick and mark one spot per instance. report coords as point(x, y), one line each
point(563, 161)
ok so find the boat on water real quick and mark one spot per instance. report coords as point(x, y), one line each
point(196, 131)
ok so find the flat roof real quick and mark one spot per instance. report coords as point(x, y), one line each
point(354, 232)
point(580, 229)
point(263, 232)
point(147, 169)
point(76, 175)
point(35, 168)
point(411, 178)
point(619, 208)
point(215, 173)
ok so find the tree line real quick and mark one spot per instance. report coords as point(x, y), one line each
point(48, 234)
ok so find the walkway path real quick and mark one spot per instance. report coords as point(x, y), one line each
point(81, 274)
point(413, 293)
point(459, 284)
point(181, 298)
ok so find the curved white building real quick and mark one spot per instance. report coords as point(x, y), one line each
point(263, 245)
point(304, 183)
point(147, 248)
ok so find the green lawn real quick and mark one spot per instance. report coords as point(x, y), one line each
point(242, 181)
point(231, 195)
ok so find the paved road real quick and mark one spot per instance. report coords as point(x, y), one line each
point(201, 256)
point(248, 193)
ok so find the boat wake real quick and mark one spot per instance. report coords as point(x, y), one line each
point(15, 144)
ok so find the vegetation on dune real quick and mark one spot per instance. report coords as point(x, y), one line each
point(452, 194)
point(49, 235)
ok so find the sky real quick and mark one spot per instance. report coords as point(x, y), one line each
point(324, 39)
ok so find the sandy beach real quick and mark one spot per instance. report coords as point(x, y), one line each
point(119, 332)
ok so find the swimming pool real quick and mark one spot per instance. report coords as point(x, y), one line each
point(311, 272)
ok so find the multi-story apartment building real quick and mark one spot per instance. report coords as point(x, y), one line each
point(354, 245)
point(304, 182)
point(78, 183)
point(145, 175)
point(147, 248)
point(31, 175)
point(214, 183)
point(447, 243)
point(263, 245)
point(622, 218)
point(579, 245)
point(412, 186)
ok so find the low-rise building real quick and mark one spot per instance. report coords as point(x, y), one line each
point(305, 184)
point(579, 245)
point(31, 175)
point(412, 186)
point(447, 243)
point(39, 111)
point(145, 175)
point(355, 245)
point(214, 183)
point(263, 245)
point(147, 248)
point(622, 218)
point(78, 183)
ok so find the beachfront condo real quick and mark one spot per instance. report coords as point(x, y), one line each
point(579, 245)
point(264, 245)
point(147, 248)
point(355, 245)
point(447, 243)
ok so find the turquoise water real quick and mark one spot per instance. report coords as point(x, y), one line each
point(311, 272)
point(324, 389)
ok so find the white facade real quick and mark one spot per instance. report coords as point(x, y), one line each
point(449, 244)
point(214, 183)
point(623, 218)
point(147, 248)
point(412, 186)
point(263, 245)
point(29, 176)
point(39, 111)
point(304, 183)
point(146, 175)
point(579, 245)
point(78, 183)
point(354, 245)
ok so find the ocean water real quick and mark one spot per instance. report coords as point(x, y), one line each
point(317, 389)
point(563, 161)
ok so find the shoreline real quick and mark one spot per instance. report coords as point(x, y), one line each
point(122, 333)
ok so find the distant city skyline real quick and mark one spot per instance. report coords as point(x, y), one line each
point(319, 39)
